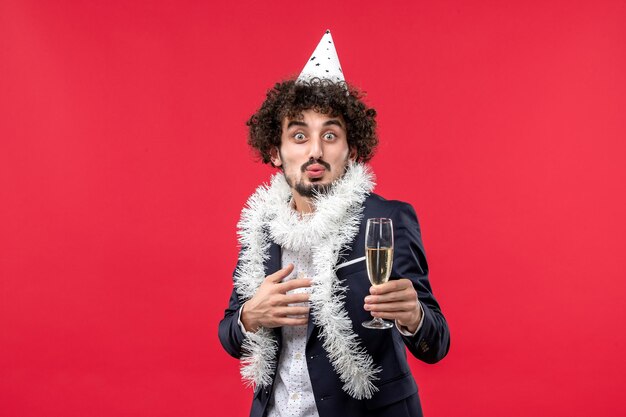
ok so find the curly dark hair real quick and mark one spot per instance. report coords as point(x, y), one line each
point(289, 99)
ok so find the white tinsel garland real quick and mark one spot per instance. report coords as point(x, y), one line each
point(268, 217)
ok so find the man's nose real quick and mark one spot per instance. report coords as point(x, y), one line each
point(315, 150)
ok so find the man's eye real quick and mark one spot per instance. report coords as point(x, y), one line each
point(299, 136)
point(329, 136)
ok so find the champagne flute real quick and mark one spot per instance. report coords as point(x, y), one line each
point(379, 258)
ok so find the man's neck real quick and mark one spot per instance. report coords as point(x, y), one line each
point(302, 205)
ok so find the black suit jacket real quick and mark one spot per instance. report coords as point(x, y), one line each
point(397, 392)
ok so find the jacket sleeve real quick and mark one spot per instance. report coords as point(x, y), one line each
point(432, 341)
point(230, 333)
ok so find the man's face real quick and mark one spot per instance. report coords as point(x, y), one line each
point(313, 152)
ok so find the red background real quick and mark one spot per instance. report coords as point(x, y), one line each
point(123, 167)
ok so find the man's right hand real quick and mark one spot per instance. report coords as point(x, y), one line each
point(269, 307)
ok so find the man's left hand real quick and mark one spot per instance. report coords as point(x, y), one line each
point(395, 300)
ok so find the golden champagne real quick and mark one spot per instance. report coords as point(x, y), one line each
point(379, 261)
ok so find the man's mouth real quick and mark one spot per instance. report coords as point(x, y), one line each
point(315, 171)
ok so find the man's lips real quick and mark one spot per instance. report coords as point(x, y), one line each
point(315, 171)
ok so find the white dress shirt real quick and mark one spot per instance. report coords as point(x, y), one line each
point(293, 393)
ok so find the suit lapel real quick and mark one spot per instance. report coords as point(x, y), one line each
point(310, 326)
point(272, 265)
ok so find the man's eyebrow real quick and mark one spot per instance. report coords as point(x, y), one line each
point(296, 123)
point(335, 122)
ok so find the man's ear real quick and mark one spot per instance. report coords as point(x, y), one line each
point(275, 157)
point(353, 153)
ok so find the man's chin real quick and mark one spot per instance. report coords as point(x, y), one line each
point(312, 189)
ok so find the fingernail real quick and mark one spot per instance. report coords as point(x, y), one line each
point(368, 299)
point(366, 307)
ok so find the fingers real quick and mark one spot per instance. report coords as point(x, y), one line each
point(293, 284)
point(392, 300)
point(409, 320)
point(292, 311)
point(391, 286)
point(401, 317)
point(391, 307)
point(288, 316)
point(282, 300)
point(288, 321)
point(404, 294)
point(295, 298)
point(279, 275)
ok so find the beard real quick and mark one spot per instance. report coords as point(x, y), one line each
point(313, 189)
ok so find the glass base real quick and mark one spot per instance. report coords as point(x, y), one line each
point(377, 324)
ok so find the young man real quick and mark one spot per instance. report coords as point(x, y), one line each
point(301, 289)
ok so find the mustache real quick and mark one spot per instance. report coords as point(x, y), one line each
point(315, 161)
